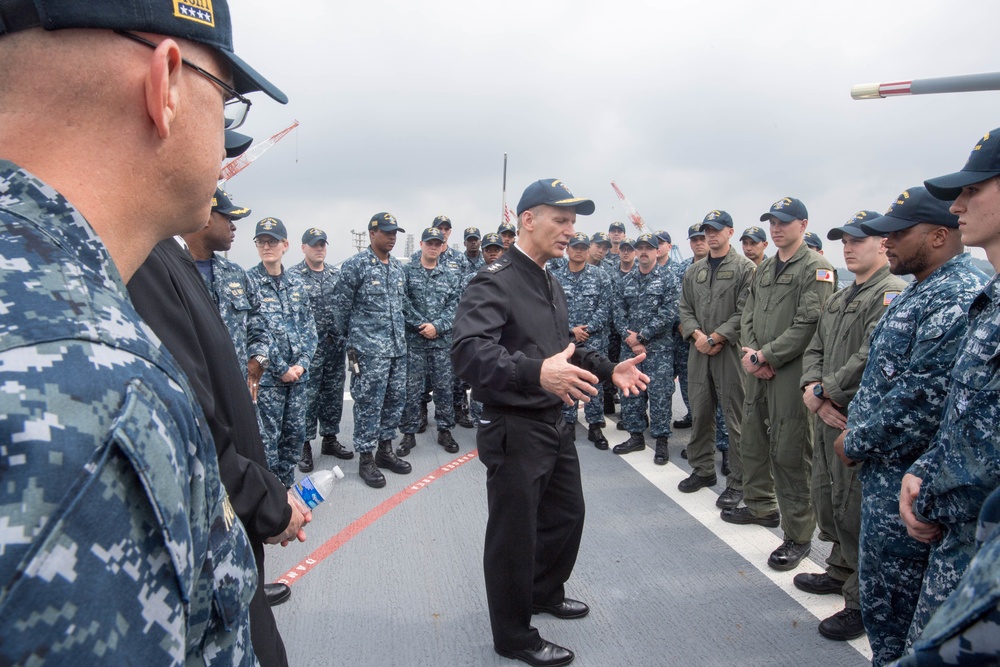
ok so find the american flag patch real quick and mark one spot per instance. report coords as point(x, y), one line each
point(888, 297)
point(824, 275)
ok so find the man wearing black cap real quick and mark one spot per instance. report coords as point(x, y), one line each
point(901, 402)
point(616, 232)
point(786, 296)
point(126, 545)
point(711, 304)
point(507, 232)
point(944, 490)
point(523, 368)
point(325, 386)
point(282, 395)
point(473, 255)
point(369, 302)
point(831, 373)
point(754, 241)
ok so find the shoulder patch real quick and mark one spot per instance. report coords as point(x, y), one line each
point(824, 275)
point(888, 297)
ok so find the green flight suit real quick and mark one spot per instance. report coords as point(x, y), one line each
point(836, 357)
point(713, 302)
point(776, 446)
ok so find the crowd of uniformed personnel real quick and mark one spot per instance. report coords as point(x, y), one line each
point(822, 402)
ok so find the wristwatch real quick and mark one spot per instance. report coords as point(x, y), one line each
point(818, 390)
point(262, 360)
point(642, 339)
point(710, 341)
point(754, 359)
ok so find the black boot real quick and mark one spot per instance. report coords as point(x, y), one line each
point(332, 447)
point(408, 442)
point(635, 443)
point(683, 422)
point(422, 424)
point(462, 417)
point(448, 442)
point(725, 462)
point(596, 436)
point(386, 458)
point(661, 456)
point(370, 473)
point(306, 462)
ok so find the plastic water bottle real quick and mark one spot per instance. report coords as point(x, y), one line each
point(314, 489)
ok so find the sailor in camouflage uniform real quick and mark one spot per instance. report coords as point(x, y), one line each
point(712, 299)
point(949, 483)
point(369, 303)
point(675, 271)
point(965, 629)
point(643, 317)
point(588, 297)
point(281, 398)
point(235, 296)
point(831, 372)
point(507, 232)
point(473, 254)
point(119, 544)
point(616, 232)
point(900, 402)
point(432, 293)
point(327, 372)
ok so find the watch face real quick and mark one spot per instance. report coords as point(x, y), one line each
point(818, 391)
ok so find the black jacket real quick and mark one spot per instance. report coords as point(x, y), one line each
point(170, 295)
point(511, 318)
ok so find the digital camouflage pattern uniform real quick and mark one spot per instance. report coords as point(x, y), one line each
point(369, 302)
point(282, 405)
point(962, 465)
point(890, 422)
point(776, 442)
point(836, 357)
point(648, 306)
point(965, 629)
point(431, 296)
point(714, 303)
point(680, 345)
point(328, 371)
point(239, 306)
point(119, 543)
point(588, 297)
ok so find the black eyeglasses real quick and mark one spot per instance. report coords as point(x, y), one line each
point(236, 106)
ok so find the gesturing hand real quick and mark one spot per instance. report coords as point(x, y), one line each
point(629, 378)
point(568, 382)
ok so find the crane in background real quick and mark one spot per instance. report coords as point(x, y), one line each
point(238, 164)
point(633, 215)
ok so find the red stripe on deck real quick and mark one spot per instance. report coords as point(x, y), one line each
point(326, 549)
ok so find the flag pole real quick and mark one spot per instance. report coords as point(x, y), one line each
point(503, 202)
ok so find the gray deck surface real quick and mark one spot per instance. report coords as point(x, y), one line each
point(668, 582)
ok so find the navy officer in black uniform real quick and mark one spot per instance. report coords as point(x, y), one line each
point(511, 344)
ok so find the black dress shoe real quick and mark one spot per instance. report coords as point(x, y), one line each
point(333, 447)
point(818, 584)
point(724, 468)
point(306, 462)
point(277, 593)
point(743, 515)
point(729, 498)
point(386, 458)
point(685, 422)
point(408, 442)
point(448, 442)
point(369, 472)
point(684, 453)
point(566, 609)
point(788, 555)
point(843, 626)
point(694, 481)
point(596, 436)
point(545, 654)
point(635, 443)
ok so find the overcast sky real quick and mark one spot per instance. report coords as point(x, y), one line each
point(689, 106)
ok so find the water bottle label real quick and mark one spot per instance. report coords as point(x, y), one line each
point(308, 493)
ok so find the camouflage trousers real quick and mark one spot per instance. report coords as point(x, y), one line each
point(282, 411)
point(428, 364)
point(836, 497)
point(325, 388)
point(721, 431)
point(891, 564)
point(593, 410)
point(658, 397)
point(379, 393)
point(946, 563)
point(681, 348)
point(776, 448)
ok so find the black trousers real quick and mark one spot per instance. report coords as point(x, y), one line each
point(536, 513)
point(264, 635)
